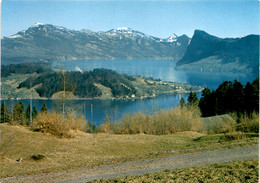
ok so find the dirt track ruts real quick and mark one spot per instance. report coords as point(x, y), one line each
point(141, 167)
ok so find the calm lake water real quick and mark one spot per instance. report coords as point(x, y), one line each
point(158, 69)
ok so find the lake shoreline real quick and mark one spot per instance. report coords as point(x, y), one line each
point(146, 88)
point(104, 99)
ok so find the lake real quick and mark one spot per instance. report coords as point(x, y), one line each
point(158, 69)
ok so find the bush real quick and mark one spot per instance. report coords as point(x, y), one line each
point(249, 123)
point(162, 122)
point(75, 122)
point(219, 124)
point(58, 125)
point(134, 124)
point(107, 127)
point(178, 120)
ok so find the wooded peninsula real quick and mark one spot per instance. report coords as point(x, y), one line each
point(38, 81)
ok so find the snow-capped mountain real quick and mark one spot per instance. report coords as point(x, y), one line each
point(42, 28)
point(172, 38)
point(48, 42)
point(129, 32)
point(48, 28)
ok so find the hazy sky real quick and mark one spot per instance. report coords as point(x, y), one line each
point(157, 18)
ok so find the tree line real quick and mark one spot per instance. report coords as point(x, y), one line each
point(19, 115)
point(229, 97)
point(24, 68)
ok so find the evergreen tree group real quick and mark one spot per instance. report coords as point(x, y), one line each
point(5, 116)
point(18, 114)
point(230, 97)
point(193, 98)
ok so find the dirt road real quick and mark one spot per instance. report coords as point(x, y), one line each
point(141, 167)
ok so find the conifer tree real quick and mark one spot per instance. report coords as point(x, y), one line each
point(44, 108)
point(251, 92)
point(182, 102)
point(207, 103)
point(34, 112)
point(19, 113)
point(193, 98)
point(5, 116)
point(27, 114)
point(237, 102)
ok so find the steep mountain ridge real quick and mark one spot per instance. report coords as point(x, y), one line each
point(207, 52)
point(46, 42)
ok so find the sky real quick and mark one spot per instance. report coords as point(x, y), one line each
point(224, 18)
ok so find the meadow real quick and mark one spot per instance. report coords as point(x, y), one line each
point(43, 152)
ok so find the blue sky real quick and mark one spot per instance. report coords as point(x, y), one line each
point(156, 18)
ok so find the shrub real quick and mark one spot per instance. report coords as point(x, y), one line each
point(90, 128)
point(135, 123)
point(237, 136)
point(178, 120)
point(57, 124)
point(75, 122)
point(161, 122)
point(219, 124)
point(249, 123)
point(107, 127)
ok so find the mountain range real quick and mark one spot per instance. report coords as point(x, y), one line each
point(210, 53)
point(202, 52)
point(46, 42)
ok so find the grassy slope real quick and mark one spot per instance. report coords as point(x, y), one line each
point(238, 171)
point(10, 84)
point(92, 149)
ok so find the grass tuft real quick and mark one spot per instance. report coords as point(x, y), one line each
point(38, 157)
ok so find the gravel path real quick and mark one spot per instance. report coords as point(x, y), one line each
point(141, 167)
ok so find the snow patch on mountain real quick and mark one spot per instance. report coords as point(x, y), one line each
point(15, 36)
point(172, 38)
point(123, 29)
point(37, 24)
point(45, 28)
point(127, 31)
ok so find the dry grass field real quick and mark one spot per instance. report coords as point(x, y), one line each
point(238, 171)
point(42, 152)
